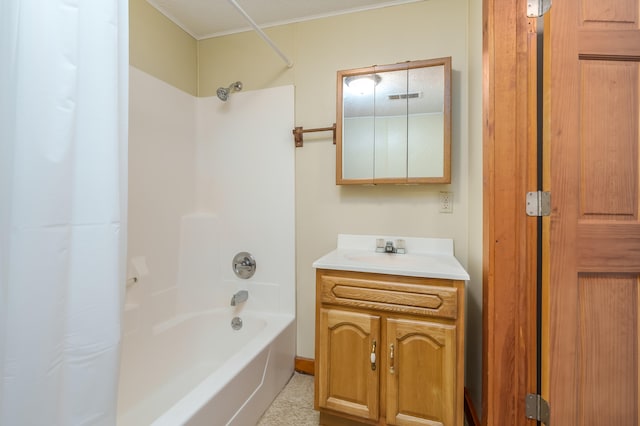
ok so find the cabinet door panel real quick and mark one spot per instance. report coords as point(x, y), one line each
point(347, 383)
point(421, 374)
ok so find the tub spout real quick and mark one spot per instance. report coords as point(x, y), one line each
point(239, 297)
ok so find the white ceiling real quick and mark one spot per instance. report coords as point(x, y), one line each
point(210, 18)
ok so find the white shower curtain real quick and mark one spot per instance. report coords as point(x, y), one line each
point(63, 153)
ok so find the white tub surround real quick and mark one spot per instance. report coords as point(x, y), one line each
point(229, 189)
point(424, 257)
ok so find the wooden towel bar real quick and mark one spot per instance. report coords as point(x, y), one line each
point(298, 131)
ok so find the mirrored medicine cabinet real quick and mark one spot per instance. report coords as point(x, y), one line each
point(393, 123)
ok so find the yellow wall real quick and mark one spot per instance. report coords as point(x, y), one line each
point(159, 47)
point(318, 48)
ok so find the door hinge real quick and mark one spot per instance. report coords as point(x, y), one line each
point(537, 8)
point(538, 203)
point(536, 408)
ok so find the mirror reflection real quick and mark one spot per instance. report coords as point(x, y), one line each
point(393, 123)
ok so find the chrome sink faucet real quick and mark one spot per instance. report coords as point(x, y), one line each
point(389, 247)
point(239, 297)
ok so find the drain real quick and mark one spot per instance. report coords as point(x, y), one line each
point(236, 323)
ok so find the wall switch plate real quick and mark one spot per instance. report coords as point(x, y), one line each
point(446, 202)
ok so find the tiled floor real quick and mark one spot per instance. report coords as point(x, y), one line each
point(294, 405)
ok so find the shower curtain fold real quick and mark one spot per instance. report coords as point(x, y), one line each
point(63, 192)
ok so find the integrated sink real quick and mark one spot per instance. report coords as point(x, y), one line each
point(388, 259)
point(425, 257)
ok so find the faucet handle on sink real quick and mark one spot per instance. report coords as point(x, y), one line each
point(389, 248)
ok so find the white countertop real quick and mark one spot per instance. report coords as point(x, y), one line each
point(424, 257)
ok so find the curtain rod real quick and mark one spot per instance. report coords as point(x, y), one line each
point(261, 33)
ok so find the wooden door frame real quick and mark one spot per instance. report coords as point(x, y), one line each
point(509, 236)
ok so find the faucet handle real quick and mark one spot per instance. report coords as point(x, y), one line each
point(389, 248)
point(401, 247)
point(380, 245)
point(244, 265)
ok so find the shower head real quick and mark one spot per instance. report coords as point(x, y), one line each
point(223, 92)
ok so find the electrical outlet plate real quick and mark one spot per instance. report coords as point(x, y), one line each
point(446, 202)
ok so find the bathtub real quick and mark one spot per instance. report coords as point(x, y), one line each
point(194, 369)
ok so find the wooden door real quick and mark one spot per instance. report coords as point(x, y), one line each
point(346, 381)
point(594, 255)
point(421, 373)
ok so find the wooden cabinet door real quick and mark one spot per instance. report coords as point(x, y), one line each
point(346, 380)
point(421, 373)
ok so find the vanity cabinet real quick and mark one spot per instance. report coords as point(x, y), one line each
point(389, 349)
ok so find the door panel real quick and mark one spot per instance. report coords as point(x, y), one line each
point(420, 373)
point(607, 356)
point(594, 241)
point(597, 12)
point(609, 146)
point(346, 381)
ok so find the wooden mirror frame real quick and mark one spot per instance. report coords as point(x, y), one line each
point(376, 69)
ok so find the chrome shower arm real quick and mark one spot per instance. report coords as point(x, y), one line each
point(237, 86)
